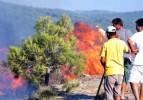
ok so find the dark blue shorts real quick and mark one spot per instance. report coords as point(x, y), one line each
point(128, 67)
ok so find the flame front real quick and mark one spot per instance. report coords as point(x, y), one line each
point(89, 43)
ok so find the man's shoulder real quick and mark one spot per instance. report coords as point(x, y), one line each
point(122, 41)
point(115, 40)
point(108, 42)
point(137, 34)
point(125, 30)
point(105, 43)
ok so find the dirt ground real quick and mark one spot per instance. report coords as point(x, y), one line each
point(87, 90)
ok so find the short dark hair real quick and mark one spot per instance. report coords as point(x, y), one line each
point(117, 21)
point(139, 22)
point(111, 33)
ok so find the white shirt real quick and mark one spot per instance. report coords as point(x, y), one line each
point(137, 38)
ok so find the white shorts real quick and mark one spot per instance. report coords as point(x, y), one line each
point(136, 75)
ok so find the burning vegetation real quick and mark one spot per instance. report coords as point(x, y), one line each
point(89, 43)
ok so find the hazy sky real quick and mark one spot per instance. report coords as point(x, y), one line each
point(111, 5)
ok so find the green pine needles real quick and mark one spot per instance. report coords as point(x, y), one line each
point(46, 51)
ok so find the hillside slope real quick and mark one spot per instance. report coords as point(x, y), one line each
point(17, 22)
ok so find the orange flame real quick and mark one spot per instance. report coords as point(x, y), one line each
point(89, 43)
point(67, 72)
point(17, 82)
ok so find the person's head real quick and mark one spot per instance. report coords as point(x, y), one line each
point(118, 23)
point(139, 24)
point(111, 32)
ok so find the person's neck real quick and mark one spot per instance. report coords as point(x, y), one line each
point(113, 37)
point(141, 29)
point(121, 27)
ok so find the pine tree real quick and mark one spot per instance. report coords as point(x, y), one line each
point(48, 50)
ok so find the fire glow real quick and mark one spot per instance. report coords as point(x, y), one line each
point(11, 87)
point(89, 43)
point(7, 81)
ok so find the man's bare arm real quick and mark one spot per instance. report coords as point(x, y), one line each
point(103, 62)
point(133, 46)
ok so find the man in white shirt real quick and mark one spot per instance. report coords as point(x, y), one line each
point(136, 45)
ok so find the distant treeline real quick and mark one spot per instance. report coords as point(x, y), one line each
point(17, 22)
